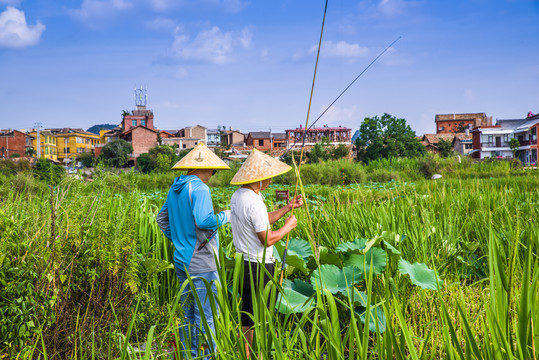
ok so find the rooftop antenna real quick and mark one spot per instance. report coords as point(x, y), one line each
point(141, 96)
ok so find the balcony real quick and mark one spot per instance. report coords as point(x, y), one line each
point(495, 144)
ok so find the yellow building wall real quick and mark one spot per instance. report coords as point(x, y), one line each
point(48, 145)
point(77, 144)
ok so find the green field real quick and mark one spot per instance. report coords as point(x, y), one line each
point(402, 269)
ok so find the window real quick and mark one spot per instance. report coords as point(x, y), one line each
point(143, 122)
point(261, 142)
point(133, 122)
point(67, 151)
point(184, 146)
point(467, 146)
point(490, 138)
point(506, 138)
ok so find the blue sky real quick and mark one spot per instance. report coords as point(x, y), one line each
point(249, 64)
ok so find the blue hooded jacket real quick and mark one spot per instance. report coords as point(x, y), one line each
point(188, 220)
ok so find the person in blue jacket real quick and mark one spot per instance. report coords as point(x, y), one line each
point(188, 220)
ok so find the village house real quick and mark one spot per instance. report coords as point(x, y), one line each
point(335, 135)
point(457, 123)
point(493, 141)
point(430, 141)
point(462, 143)
point(186, 138)
point(265, 140)
point(47, 144)
point(14, 142)
point(72, 143)
point(233, 138)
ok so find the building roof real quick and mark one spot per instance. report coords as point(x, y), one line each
point(463, 137)
point(323, 128)
point(259, 134)
point(279, 136)
point(461, 117)
point(433, 139)
point(139, 126)
point(518, 125)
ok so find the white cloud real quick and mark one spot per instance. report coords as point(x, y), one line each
point(15, 32)
point(386, 8)
point(336, 116)
point(160, 24)
point(10, 2)
point(211, 45)
point(391, 7)
point(340, 49)
point(91, 10)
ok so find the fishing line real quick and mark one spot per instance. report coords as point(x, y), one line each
point(301, 155)
point(338, 97)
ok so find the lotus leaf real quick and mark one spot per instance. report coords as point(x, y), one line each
point(391, 248)
point(377, 315)
point(335, 279)
point(299, 253)
point(420, 274)
point(363, 262)
point(353, 246)
point(326, 257)
point(295, 298)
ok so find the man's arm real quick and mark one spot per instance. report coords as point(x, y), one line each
point(279, 213)
point(203, 213)
point(270, 237)
point(163, 221)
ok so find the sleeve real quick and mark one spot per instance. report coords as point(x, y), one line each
point(203, 213)
point(259, 217)
point(163, 221)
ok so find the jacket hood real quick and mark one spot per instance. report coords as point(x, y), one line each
point(181, 181)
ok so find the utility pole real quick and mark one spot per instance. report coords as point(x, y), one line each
point(271, 142)
point(38, 127)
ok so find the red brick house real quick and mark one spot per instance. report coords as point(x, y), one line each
point(455, 123)
point(265, 140)
point(141, 138)
point(14, 142)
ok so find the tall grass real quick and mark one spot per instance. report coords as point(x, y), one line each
point(100, 283)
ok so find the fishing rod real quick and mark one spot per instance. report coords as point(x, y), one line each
point(342, 92)
point(318, 118)
point(301, 156)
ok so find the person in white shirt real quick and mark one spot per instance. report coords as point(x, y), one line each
point(251, 227)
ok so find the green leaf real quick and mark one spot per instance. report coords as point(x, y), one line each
point(363, 262)
point(420, 274)
point(155, 266)
point(335, 279)
point(298, 255)
point(295, 298)
point(391, 248)
point(355, 246)
point(326, 257)
point(376, 315)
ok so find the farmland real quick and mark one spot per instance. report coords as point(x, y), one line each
point(399, 268)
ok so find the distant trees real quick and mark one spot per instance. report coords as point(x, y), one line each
point(385, 137)
point(160, 158)
point(445, 147)
point(514, 144)
point(116, 153)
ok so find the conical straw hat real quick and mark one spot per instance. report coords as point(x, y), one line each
point(259, 166)
point(201, 158)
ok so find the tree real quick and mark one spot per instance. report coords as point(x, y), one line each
point(317, 153)
point(144, 163)
point(386, 137)
point(30, 152)
point(514, 144)
point(445, 147)
point(87, 160)
point(116, 153)
point(339, 152)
